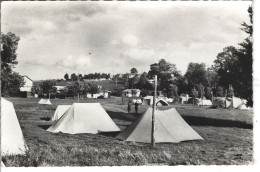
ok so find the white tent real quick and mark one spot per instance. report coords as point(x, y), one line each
point(169, 127)
point(60, 110)
point(12, 140)
point(148, 100)
point(204, 102)
point(84, 118)
point(162, 102)
point(45, 102)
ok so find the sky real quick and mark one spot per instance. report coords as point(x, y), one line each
point(113, 37)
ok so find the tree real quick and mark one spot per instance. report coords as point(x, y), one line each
point(66, 77)
point(201, 91)
point(47, 86)
point(9, 43)
point(226, 65)
point(74, 77)
point(80, 77)
point(220, 91)
point(132, 82)
point(10, 81)
point(194, 94)
point(134, 71)
point(230, 92)
point(166, 73)
point(208, 93)
point(245, 61)
point(196, 74)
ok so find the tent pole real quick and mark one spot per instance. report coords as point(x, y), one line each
point(154, 106)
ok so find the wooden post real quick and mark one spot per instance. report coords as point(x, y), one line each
point(49, 96)
point(153, 112)
point(78, 97)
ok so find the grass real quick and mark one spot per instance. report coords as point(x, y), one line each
point(227, 138)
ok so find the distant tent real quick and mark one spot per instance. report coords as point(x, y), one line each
point(84, 118)
point(169, 127)
point(60, 110)
point(236, 102)
point(45, 102)
point(162, 103)
point(12, 140)
point(204, 102)
point(148, 100)
point(2, 164)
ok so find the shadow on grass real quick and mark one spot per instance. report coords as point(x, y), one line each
point(110, 134)
point(45, 118)
point(45, 127)
point(122, 116)
point(203, 121)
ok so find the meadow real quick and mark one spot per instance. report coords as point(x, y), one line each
point(227, 133)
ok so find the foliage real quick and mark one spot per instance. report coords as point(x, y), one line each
point(220, 91)
point(196, 74)
point(201, 91)
point(47, 86)
point(74, 77)
point(134, 70)
point(9, 43)
point(66, 76)
point(10, 81)
point(166, 74)
point(208, 93)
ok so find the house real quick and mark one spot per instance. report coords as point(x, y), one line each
point(27, 85)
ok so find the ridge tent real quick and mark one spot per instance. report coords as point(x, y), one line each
point(169, 127)
point(60, 110)
point(12, 140)
point(45, 102)
point(84, 118)
point(148, 100)
point(162, 103)
point(204, 102)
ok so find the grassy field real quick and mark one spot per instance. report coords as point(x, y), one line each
point(228, 138)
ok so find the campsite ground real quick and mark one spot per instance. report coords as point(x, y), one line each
point(227, 133)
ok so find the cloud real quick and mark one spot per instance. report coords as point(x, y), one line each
point(130, 40)
point(58, 36)
point(78, 64)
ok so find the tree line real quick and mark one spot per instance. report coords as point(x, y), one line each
point(81, 77)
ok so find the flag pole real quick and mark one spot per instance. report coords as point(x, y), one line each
point(153, 112)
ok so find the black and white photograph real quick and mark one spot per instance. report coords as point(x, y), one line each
point(127, 83)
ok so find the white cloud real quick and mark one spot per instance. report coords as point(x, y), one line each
point(130, 40)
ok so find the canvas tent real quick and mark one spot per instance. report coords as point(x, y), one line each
point(45, 102)
point(84, 118)
point(169, 127)
point(12, 140)
point(60, 110)
point(204, 102)
point(162, 103)
point(148, 100)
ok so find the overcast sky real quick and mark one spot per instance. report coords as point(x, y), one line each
point(113, 37)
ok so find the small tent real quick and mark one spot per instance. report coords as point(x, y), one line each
point(84, 118)
point(148, 100)
point(162, 103)
point(60, 110)
point(169, 127)
point(45, 102)
point(12, 140)
point(204, 102)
